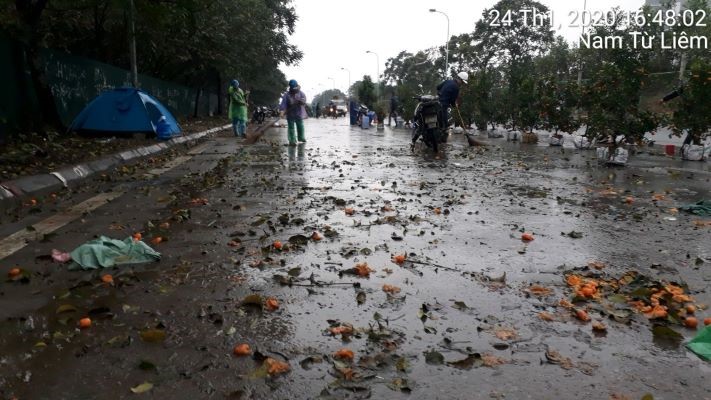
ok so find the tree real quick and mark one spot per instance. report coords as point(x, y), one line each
point(692, 111)
point(500, 42)
point(611, 96)
point(558, 101)
point(366, 92)
point(197, 43)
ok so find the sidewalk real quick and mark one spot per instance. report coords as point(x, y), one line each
point(45, 183)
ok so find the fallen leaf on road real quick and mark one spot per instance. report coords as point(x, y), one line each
point(142, 388)
point(505, 333)
point(540, 291)
point(153, 335)
point(546, 316)
point(599, 326)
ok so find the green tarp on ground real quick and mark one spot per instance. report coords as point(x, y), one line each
point(701, 208)
point(105, 252)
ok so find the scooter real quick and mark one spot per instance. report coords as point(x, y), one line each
point(428, 122)
point(259, 115)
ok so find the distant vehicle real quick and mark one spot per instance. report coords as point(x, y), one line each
point(341, 108)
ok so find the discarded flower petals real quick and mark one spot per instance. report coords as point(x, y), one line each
point(362, 269)
point(275, 367)
point(399, 259)
point(344, 354)
point(271, 304)
point(391, 289)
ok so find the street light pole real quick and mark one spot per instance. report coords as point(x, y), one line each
point(348, 90)
point(132, 43)
point(446, 44)
point(377, 77)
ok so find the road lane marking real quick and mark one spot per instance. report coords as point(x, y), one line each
point(20, 239)
point(167, 166)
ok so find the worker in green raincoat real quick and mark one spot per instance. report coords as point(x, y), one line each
point(238, 109)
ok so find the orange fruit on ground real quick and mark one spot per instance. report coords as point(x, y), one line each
point(107, 278)
point(587, 291)
point(271, 304)
point(277, 245)
point(707, 321)
point(242, 350)
point(85, 323)
point(582, 315)
point(527, 237)
point(156, 240)
point(690, 308)
point(345, 354)
point(316, 236)
point(349, 211)
point(137, 236)
point(14, 273)
point(691, 322)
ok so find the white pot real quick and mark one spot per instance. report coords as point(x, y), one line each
point(581, 142)
point(619, 157)
point(556, 140)
point(513, 136)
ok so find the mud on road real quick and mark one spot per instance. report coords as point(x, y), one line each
point(414, 264)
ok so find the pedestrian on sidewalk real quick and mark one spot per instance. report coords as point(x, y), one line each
point(238, 109)
point(293, 106)
point(394, 104)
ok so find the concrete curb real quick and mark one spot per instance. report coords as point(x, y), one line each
point(55, 180)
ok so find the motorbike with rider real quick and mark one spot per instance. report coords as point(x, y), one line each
point(431, 118)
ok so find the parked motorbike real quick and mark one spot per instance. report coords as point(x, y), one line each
point(429, 123)
point(259, 114)
point(362, 111)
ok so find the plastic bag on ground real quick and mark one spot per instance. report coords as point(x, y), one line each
point(701, 344)
point(105, 252)
point(701, 208)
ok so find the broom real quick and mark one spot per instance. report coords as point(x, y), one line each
point(472, 142)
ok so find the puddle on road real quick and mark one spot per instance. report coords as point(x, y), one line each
point(456, 326)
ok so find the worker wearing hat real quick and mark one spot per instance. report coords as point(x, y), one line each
point(293, 105)
point(237, 112)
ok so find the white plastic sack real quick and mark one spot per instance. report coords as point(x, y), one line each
point(581, 142)
point(513, 136)
point(556, 140)
point(619, 157)
point(692, 152)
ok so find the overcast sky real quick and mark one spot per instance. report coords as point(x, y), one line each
point(336, 33)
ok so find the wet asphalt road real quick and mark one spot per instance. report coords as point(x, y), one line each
point(455, 330)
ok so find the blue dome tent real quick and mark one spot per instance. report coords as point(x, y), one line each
point(124, 110)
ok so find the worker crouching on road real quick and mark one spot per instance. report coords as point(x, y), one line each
point(293, 105)
point(238, 109)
